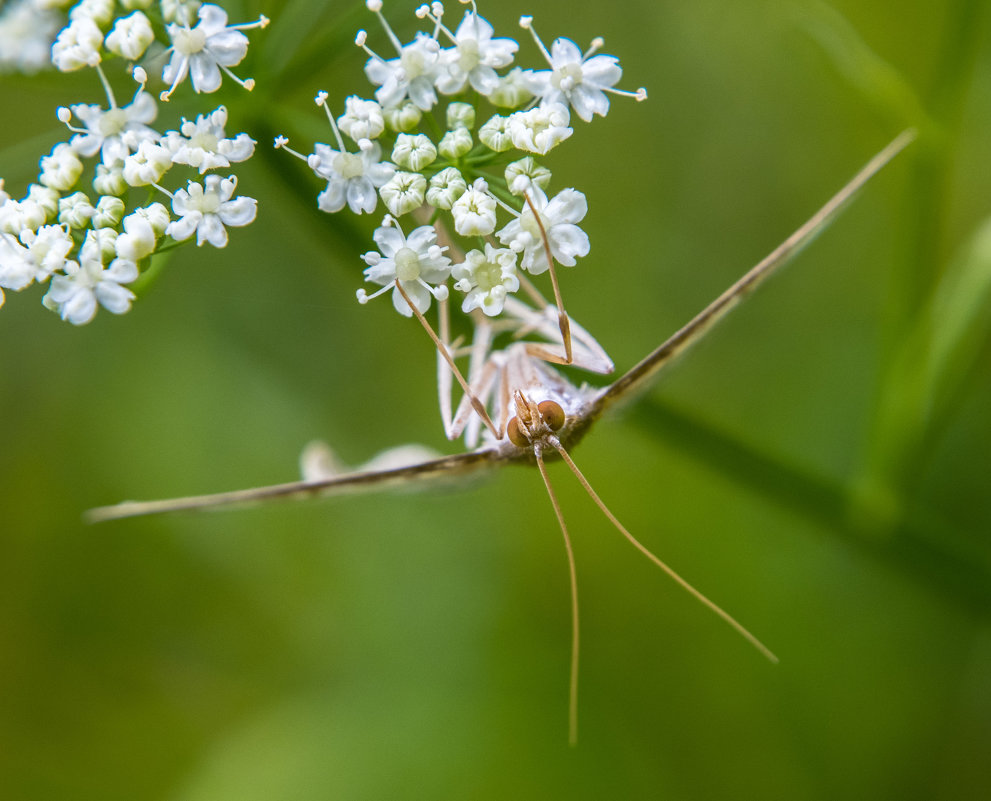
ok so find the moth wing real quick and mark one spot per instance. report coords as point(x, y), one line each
point(637, 377)
point(369, 480)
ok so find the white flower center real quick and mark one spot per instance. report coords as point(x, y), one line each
point(348, 165)
point(407, 264)
point(112, 122)
point(413, 63)
point(488, 275)
point(188, 42)
point(207, 203)
point(468, 54)
point(205, 141)
point(567, 77)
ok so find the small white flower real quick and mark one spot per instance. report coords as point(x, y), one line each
point(182, 12)
point(88, 283)
point(474, 57)
point(362, 119)
point(575, 79)
point(109, 179)
point(540, 129)
point(109, 212)
point(17, 268)
point(47, 249)
point(46, 197)
point(525, 173)
point(513, 89)
point(157, 216)
point(494, 136)
point(403, 192)
point(486, 278)
point(20, 215)
point(131, 36)
point(559, 217)
point(352, 178)
point(205, 210)
point(475, 211)
point(445, 188)
point(115, 132)
point(76, 211)
point(460, 115)
point(77, 45)
point(202, 143)
point(402, 118)
point(100, 11)
point(417, 262)
point(26, 34)
point(455, 144)
point(411, 74)
point(147, 165)
point(61, 169)
point(413, 152)
point(202, 52)
point(140, 236)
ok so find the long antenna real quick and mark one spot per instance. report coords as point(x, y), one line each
point(662, 565)
point(573, 575)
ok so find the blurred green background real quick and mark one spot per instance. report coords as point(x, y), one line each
point(819, 465)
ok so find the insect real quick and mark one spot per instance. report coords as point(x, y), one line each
point(537, 414)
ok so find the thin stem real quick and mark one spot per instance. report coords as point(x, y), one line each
point(573, 577)
point(643, 549)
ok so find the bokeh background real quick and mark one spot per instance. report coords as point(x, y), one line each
point(819, 464)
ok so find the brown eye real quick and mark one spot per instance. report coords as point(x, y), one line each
point(552, 413)
point(516, 435)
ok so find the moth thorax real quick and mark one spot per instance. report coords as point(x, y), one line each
point(551, 415)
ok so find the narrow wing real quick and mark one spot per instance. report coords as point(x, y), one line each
point(637, 377)
point(358, 481)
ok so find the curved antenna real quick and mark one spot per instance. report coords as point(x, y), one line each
point(706, 601)
point(573, 578)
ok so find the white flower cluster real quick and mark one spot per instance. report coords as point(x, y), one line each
point(86, 225)
point(417, 147)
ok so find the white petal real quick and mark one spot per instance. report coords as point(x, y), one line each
point(205, 74)
point(564, 51)
point(184, 227)
point(602, 71)
point(113, 297)
point(210, 230)
point(568, 242)
point(389, 240)
point(332, 198)
point(417, 293)
point(238, 212)
point(361, 195)
point(80, 308)
point(587, 100)
point(567, 206)
point(228, 47)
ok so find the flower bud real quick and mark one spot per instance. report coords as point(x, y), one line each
point(403, 192)
point(460, 115)
point(446, 187)
point(413, 151)
point(494, 136)
point(455, 143)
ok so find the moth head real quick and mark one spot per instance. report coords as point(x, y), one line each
point(534, 420)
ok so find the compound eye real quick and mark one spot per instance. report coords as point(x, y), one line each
point(553, 414)
point(515, 433)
